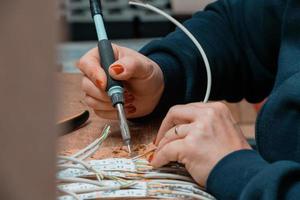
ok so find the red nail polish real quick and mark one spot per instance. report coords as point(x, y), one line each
point(127, 101)
point(118, 69)
point(129, 98)
point(130, 108)
point(98, 83)
point(151, 158)
point(133, 110)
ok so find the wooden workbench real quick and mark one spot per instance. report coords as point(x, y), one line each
point(71, 103)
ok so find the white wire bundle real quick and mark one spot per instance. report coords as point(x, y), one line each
point(119, 181)
point(190, 35)
point(90, 149)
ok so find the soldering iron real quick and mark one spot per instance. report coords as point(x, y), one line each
point(114, 88)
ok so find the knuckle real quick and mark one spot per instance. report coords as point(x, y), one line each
point(211, 113)
point(199, 126)
point(82, 63)
point(83, 85)
point(173, 110)
point(221, 107)
point(90, 102)
point(190, 141)
point(201, 129)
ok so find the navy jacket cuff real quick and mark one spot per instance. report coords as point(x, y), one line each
point(233, 172)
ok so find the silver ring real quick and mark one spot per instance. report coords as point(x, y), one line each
point(176, 131)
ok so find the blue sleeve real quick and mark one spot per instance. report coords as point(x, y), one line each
point(245, 175)
point(241, 39)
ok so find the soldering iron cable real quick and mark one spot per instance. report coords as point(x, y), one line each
point(190, 35)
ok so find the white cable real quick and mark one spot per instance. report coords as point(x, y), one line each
point(98, 174)
point(72, 194)
point(90, 153)
point(194, 196)
point(167, 176)
point(105, 188)
point(190, 35)
point(80, 180)
point(91, 148)
point(98, 141)
point(75, 160)
point(69, 166)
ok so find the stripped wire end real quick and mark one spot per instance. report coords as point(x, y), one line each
point(129, 149)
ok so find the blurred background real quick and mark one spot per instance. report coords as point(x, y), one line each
point(29, 84)
point(133, 28)
point(126, 25)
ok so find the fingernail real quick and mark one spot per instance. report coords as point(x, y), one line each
point(151, 158)
point(129, 98)
point(98, 83)
point(118, 69)
point(130, 108)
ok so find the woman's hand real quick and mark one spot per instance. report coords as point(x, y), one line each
point(142, 78)
point(198, 136)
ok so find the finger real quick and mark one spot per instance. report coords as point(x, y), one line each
point(98, 105)
point(89, 65)
point(170, 136)
point(112, 115)
point(219, 107)
point(172, 151)
point(91, 90)
point(131, 66)
point(177, 115)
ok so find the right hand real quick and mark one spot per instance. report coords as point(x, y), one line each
point(142, 79)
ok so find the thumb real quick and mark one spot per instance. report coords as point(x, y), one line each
point(130, 67)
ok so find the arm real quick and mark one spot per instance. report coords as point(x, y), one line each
point(219, 157)
point(254, 178)
point(241, 47)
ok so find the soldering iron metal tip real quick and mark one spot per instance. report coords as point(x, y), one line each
point(129, 148)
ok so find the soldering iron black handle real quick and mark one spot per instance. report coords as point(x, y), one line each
point(107, 58)
point(95, 7)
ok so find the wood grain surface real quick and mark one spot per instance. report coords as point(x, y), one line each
point(72, 102)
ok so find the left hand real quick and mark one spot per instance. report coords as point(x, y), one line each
point(198, 136)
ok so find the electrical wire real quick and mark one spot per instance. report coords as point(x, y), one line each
point(69, 193)
point(91, 148)
point(105, 188)
point(90, 153)
point(80, 180)
point(190, 35)
point(167, 176)
point(195, 196)
point(144, 154)
point(99, 174)
point(98, 141)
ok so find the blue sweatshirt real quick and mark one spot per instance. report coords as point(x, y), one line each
point(254, 50)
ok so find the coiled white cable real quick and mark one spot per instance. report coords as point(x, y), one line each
point(190, 35)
